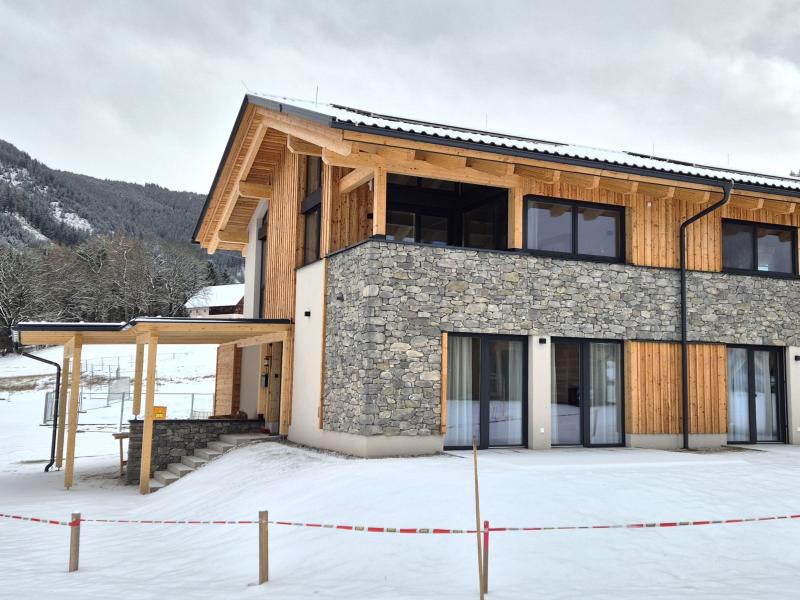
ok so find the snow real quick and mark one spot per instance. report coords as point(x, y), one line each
point(26, 226)
point(217, 295)
point(357, 117)
point(70, 219)
point(518, 488)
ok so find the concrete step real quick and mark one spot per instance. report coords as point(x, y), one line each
point(155, 485)
point(165, 477)
point(179, 469)
point(193, 461)
point(244, 439)
point(222, 447)
point(207, 453)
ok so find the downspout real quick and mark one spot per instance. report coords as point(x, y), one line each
point(55, 405)
point(726, 196)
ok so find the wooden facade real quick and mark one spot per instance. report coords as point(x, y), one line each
point(228, 380)
point(653, 388)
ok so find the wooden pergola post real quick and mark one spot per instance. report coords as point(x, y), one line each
point(287, 362)
point(149, 397)
point(515, 217)
point(137, 377)
point(74, 401)
point(62, 406)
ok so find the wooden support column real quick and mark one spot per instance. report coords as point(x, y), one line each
point(443, 380)
point(137, 377)
point(379, 202)
point(515, 216)
point(329, 193)
point(287, 366)
point(149, 397)
point(74, 399)
point(62, 407)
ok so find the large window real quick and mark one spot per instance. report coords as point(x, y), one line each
point(576, 229)
point(756, 402)
point(757, 248)
point(415, 226)
point(311, 208)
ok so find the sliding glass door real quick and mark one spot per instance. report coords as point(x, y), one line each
point(486, 393)
point(587, 406)
point(756, 403)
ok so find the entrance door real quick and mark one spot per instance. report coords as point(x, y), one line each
point(587, 389)
point(756, 403)
point(486, 391)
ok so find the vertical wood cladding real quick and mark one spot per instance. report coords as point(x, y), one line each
point(282, 237)
point(228, 380)
point(653, 388)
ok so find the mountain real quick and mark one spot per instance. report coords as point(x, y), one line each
point(39, 205)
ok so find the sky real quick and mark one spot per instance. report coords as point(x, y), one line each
point(148, 91)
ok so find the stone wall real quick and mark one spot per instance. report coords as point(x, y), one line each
point(389, 302)
point(174, 438)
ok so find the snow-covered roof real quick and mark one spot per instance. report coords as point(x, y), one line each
point(344, 117)
point(217, 295)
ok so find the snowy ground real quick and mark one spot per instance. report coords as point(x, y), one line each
point(518, 488)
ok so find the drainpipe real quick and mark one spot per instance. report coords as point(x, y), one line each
point(55, 402)
point(726, 196)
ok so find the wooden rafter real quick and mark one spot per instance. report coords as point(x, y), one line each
point(232, 236)
point(298, 146)
point(255, 190)
point(310, 132)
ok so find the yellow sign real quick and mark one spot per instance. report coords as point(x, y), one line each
point(159, 413)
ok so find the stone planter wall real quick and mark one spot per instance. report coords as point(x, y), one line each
point(174, 438)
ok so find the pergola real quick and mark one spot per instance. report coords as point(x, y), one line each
point(149, 333)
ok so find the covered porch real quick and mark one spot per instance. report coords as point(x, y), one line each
point(147, 334)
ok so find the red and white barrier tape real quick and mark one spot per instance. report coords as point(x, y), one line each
point(40, 520)
point(407, 530)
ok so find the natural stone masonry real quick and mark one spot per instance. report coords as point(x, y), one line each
point(174, 438)
point(389, 302)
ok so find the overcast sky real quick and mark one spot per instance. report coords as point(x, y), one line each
point(148, 91)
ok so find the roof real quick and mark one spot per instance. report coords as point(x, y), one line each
point(217, 295)
point(170, 330)
point(343, 117)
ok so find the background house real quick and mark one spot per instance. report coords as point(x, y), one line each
point(217, 301)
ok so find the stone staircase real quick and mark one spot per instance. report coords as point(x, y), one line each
point(201, 456)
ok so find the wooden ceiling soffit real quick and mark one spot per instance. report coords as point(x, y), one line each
point(778, 207)
point(587, 182)
point(746, 203)
point(547, 176)
point(298, 146)
point(312, 133)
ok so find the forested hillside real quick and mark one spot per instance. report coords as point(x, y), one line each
point(39, 205)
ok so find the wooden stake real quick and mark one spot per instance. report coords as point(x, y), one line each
point(74, 541)
point(486, 557)
point(263, 546)
point(477, 517)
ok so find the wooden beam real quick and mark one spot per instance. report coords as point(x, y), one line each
point(445, 161)
point(255, 190)
point(330, 191)
point(63, 392)
point(287, 366)
point(298, 146)
point(355, 178)
point(780, 208)
point(268, 338)
point(515, 217)
point(74, 400)
point(619, 186)
point(379, 202)
point(544, 175)
point(491, 167)
point(233, 237)
point(747, 203)
point(137, 377)
point(147, 430)
point(587, 182)
point(443, 379)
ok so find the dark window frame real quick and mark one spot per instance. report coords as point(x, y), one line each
point(310, 205)
point(483, 379)
point(263, 230)
point(754, 225)
point(418, 212)
point(783, 409)
point(316, 209)
point(528, 199)
point(584, 345)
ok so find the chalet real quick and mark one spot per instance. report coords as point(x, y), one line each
point(217, 301)
point(411, 286)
